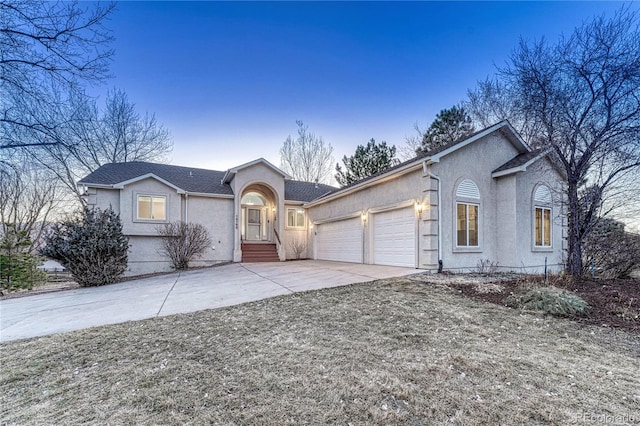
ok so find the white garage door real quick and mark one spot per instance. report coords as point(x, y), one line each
point(394, 238)
point(340, 241)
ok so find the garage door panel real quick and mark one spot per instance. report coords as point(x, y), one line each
point(394, 238)
point(340, 241)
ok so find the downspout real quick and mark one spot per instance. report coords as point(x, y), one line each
point(426, 168)
point(186, 207)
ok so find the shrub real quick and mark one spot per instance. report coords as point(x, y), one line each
point(297, 247)
point(486, 266)
point(611, 251)
point(182, 241)
point(91, 247)
point(550, 300)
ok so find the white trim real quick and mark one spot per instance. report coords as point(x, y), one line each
point(543, 247)
point(209, 195)
point(338, 218)
point(138, 219)
point(457, 247)
point(122, 184)
point(371, 182)
point(229, 174)
point(396, 206)
point(521, 168)
point(503, 125)
point(296, 209)
point(97, 185)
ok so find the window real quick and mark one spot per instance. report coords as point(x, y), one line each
point(152, 207)
point(542, 217)
point(543, 227)
point(467, 214)
point(467, 224)
point(295, 218)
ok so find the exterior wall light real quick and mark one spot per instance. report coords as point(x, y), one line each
point(364, 216)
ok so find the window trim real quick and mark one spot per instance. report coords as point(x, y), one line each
point(543, 246)
point(304, 220)
point(137, 217)
point(467, 204)
point(468, 198)
point(543, 204)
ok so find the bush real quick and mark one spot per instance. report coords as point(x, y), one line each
point(550, 300)
point(610, 251)
point(182, 241)
point(91, 247)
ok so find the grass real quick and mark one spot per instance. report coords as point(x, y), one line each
point(389, 352)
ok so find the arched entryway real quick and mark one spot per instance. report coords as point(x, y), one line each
point(258, 227)
point(256, 217)
point(258, 214)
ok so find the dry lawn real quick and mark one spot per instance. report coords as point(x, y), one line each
point(389, 352)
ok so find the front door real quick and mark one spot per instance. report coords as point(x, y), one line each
point(254, 224)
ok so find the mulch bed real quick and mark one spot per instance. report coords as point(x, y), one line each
point(613, 302)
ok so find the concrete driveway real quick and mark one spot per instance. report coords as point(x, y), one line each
point(58, 312)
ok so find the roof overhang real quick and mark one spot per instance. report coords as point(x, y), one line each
point(520, 168)
point(503, 127)
point(392, 174)
point(230, 174)
point(121, 185)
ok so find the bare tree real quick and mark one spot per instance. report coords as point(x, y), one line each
point(182, 241)
point(89, 137)
point(308, 157)
point(47, 46)
point(27, 199)
point(412, 144)
point(580, 98)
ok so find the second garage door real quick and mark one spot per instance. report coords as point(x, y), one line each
point(340, 241)
point(394, 238)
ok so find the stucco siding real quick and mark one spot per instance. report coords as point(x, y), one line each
point(128, 206)
point(216, 215)
point(402, 191)
point(541, 172)
point(104, 198)
point(474, 162)
point(144, 256)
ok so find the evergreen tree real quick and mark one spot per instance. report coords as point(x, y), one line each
point(93, 247)
point(450, 125)
point(366, 161)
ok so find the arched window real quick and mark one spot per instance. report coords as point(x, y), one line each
point(467, 214)
point(253, 199)
point(542, 210)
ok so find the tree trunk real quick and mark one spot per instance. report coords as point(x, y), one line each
point(574, 257)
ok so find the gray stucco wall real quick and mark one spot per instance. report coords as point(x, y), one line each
point(259, 174)
point(475, 162)
point(505, 209)
point(215, 214)
point(541, 172)
point(399, 192)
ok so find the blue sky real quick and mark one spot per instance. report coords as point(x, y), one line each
point(230, 79)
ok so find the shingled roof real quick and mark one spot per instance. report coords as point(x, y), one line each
point(519, 163)
point(192, 179)
point(187, 178)
point(295, 190)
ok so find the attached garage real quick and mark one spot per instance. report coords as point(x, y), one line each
point(394, 238)
point(340, 240)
